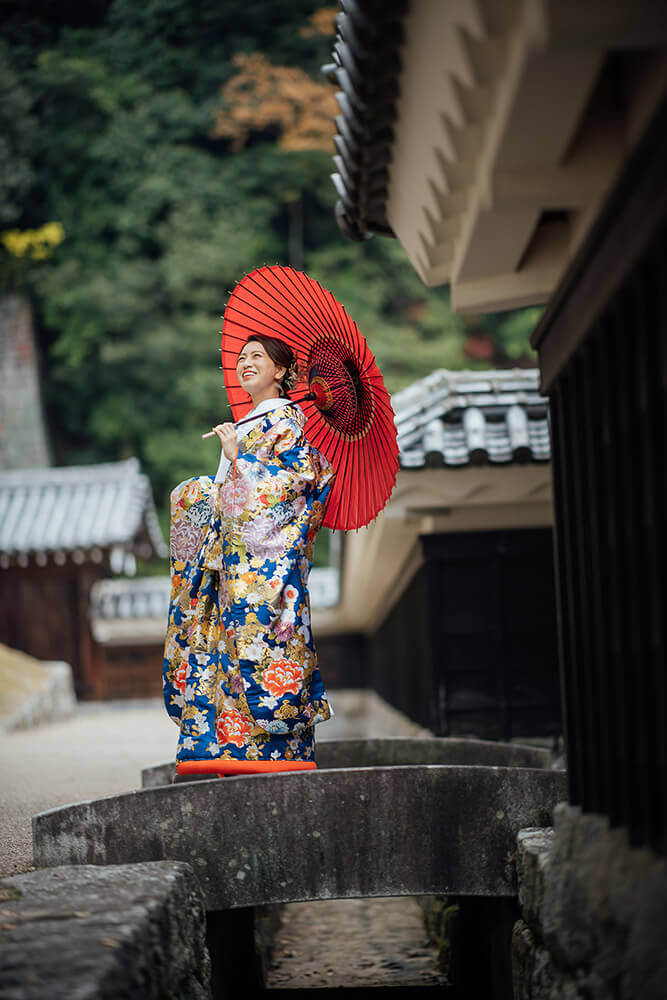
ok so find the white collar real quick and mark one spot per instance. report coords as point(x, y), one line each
point(266, 405)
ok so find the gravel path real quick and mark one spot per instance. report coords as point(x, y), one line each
point(353, 943)
point(100, 751)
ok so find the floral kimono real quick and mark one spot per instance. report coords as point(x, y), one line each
point(240, 671)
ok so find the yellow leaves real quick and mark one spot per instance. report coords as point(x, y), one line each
point(262, 96)
point(35, 243)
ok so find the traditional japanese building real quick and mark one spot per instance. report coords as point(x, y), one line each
point(61, 530)
point(518, 151)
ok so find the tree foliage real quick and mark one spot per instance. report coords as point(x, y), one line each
point(262, 97)
point(179, 146)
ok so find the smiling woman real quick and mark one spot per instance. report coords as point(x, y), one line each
point(240, 670)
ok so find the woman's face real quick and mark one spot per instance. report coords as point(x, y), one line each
point(257, 373)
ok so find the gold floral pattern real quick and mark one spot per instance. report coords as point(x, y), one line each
point(240, 671)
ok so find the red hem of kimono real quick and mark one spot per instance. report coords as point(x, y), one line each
point(219, 766)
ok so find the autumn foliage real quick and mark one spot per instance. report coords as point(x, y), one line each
point(262, 96)
point(320, 22)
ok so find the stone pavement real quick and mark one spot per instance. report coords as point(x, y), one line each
point(353, 943)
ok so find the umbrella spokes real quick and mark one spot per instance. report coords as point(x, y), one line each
point(334, 380)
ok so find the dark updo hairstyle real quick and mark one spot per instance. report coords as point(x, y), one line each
point(282, 355)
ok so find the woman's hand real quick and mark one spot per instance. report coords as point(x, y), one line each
point(228, 440)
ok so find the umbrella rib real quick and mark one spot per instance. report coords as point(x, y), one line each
point(390, 458)
point(344, 497)
point(335, 461)
point(295, 311)
point(330, 437)
point(368, 480)
point(382, 446)
point(283, 324)
point(352, 335)
point(268, 289)
point(242, 291)
point(339, 321)
point(332, 313)
point(371, 440)
point(310, 300)
point(327, 313)
point(277, 331)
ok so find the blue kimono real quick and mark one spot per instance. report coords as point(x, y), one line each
point(240, 672)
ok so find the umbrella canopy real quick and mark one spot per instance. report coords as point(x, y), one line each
point(348, 412)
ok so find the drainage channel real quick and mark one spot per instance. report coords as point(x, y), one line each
point(353, 943)
point(366, 945)
point(371, 992)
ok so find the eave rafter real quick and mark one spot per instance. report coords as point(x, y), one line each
point(505, 124)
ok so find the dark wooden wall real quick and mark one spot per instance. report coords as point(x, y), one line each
point(130, 671)
point(45, 613)
point(609, 406)
point(602, 344)
point(400, 654)
point(342, 660)
point(471, 646)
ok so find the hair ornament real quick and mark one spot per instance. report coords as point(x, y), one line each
point(291, 377)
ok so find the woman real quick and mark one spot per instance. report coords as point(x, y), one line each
point(240, 672)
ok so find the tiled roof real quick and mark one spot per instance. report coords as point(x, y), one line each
point(365, 67)
point(472, 418)
point(145, 600)
point(130, 598)
point(76, 509)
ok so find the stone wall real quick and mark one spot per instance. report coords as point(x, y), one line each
point(593, 914)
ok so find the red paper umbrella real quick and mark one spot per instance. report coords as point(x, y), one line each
point(348, 413)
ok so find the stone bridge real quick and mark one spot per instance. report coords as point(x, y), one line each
point(379, 818)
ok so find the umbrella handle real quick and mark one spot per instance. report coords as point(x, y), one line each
point(293, 402)
point(245, 420)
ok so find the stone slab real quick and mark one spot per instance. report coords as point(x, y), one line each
point(395, 752)
point(295, 836)
point(91, 933)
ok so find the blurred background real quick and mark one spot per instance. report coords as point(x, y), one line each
point(152, 154)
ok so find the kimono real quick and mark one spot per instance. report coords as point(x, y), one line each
point(240, 673)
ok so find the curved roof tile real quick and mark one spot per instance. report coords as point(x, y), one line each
point(459, 418)
point(76, 507)
point(369, 35)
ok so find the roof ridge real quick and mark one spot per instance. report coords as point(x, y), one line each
point(69, 473)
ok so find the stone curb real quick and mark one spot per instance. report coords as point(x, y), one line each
point(397, 752)
point(94, 933)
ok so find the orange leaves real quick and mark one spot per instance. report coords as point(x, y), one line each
point(262, 96)
point(321, 22)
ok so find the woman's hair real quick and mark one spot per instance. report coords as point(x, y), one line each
point(282, 355)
